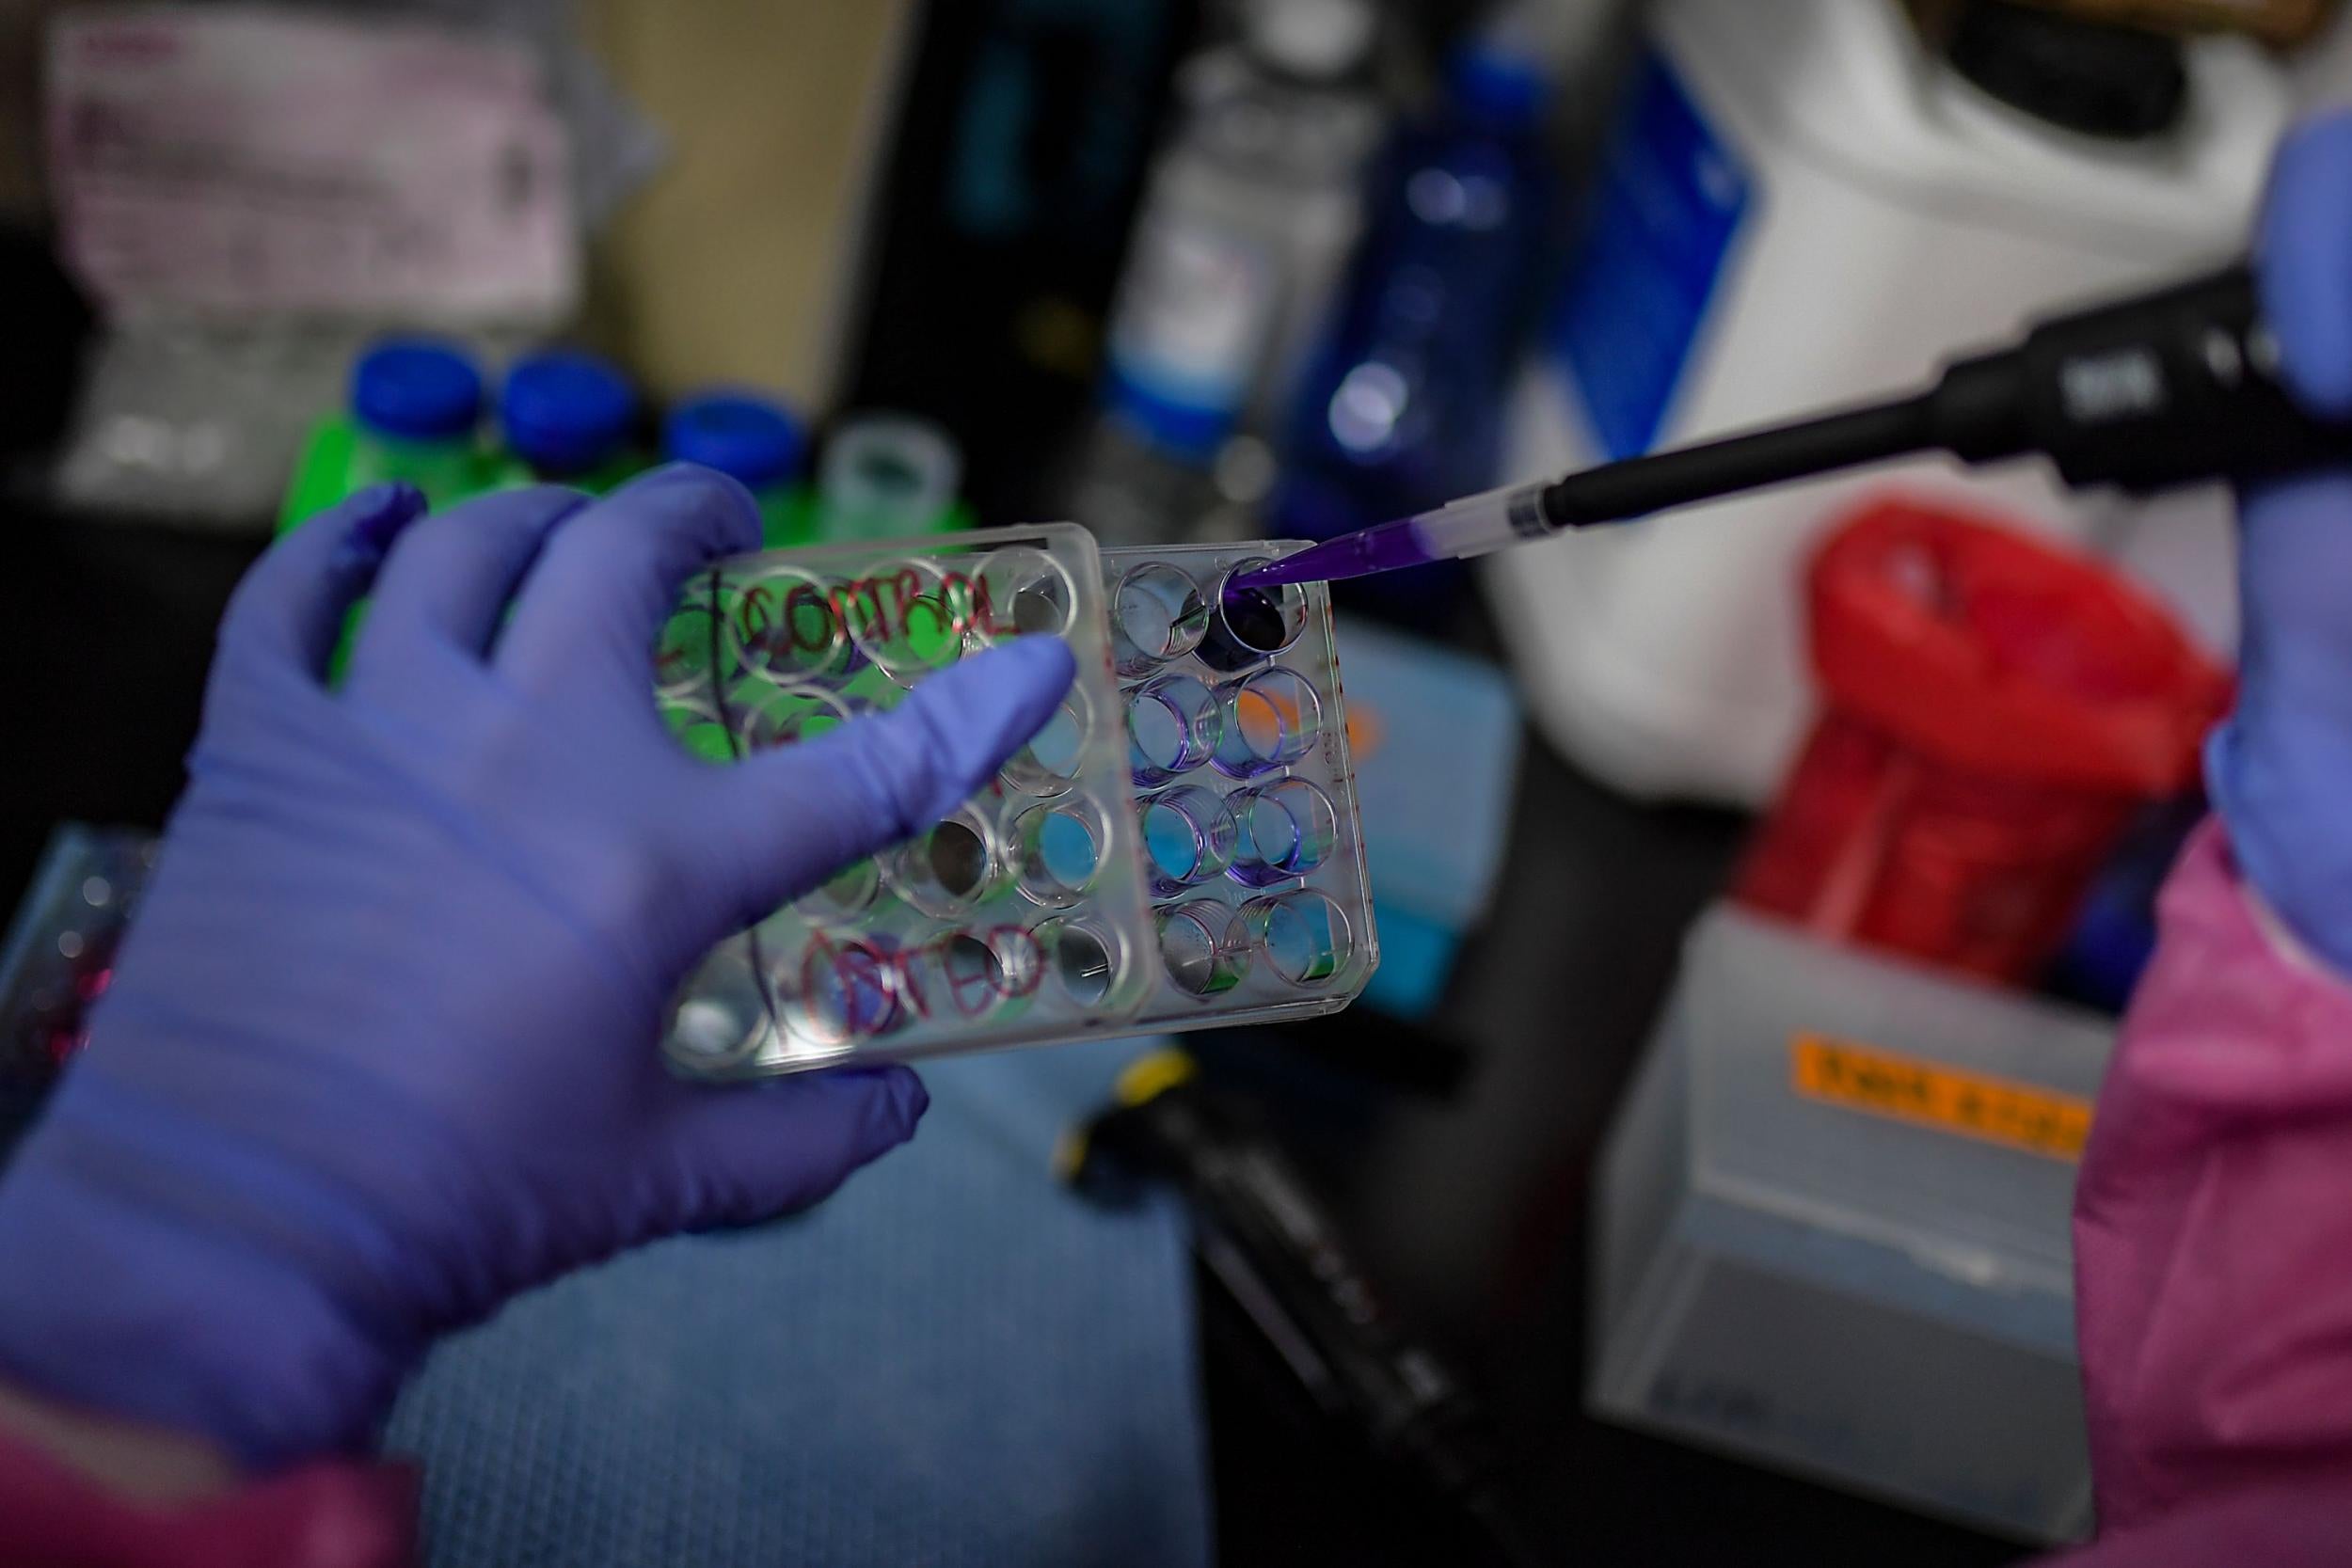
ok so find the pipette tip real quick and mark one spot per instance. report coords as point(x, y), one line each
point(1384, 549)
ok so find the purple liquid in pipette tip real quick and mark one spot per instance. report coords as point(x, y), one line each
point(1387, 548)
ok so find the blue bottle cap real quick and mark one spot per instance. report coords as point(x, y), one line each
point(1497, 85)
point(564, 412)
point(741, 434)
point(417, 390)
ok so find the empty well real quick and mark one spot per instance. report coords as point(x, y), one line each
point(1085, 959)
point(950, 870)
point(722, 1016)
point(684, 654)
point(1020, 592)
point(904, 616)
point(1157, 614)
point(786, 625)
point(704, 738)
point(1189, 836)
point(1049, 763)
point(1303, 936)
point(1062, 846)
point(1286, 829)
point(1204, 946)
point(845, 897)
point(785, 716)
point(1174, 723)
point(695, 723)
point(973, 975)
point(1272, 721)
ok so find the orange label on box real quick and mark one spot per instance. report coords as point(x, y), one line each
point(1994, 1109)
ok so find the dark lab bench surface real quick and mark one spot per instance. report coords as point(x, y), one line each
point(1471, 1210)
point(1468, 1207)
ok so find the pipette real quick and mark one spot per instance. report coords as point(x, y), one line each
point(2161, 390)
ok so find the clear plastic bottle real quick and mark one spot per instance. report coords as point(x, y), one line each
point(888, 476)
point(1251, 213)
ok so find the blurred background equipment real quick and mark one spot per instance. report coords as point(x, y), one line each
point(1259, 1228)
point(1996, 711)
point(1254, 203)
point(431, 177)
point(415, 413)
point(2279, 21)
point(1434, 735)
point(1400, 404)
point(1000, 218)
point(57, 956)
point(245, 192)
point(741, 261)
point(1802, 203)
point(1216, 270)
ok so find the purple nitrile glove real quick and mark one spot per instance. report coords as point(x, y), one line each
point(2280, 770)
point(382, 1048)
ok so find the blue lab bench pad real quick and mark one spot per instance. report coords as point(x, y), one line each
point(1416, 960)
point(1436, 750)
point(1436, 756)
point(952, 1362)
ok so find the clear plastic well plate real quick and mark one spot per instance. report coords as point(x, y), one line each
point(1177, 848)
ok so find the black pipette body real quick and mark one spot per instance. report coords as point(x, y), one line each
point(1640, 486)
point(2165, 388)
point(1264, 1235)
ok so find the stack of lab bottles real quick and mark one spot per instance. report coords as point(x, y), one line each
point(415, 414)
point(1401, 409)
point(1252, 209)
point(563, 417)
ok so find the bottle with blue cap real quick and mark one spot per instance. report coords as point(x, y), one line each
point(1252, 208)
point(1401, 407)
point(415, 414)
point(753, 439)
point(567, 417)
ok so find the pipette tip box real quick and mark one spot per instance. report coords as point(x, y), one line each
point(1832, 1228)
